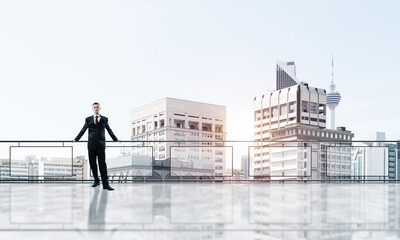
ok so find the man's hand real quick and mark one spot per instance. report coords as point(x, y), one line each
point(73, 140)
point(119, 141)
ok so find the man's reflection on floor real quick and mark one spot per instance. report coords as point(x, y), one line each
point(97, 211)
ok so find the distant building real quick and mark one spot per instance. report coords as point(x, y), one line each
point(171, 119)
point(298, 113)
point(17, 168)
point(33, 168)
point(390, 158)
point(245, 166)
point(55, 168)
point(245, 163)
point(398, 161)
point(237, 174)
point(285, 75)
point(375, 161)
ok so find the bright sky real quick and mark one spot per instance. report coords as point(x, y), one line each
point(57, 57)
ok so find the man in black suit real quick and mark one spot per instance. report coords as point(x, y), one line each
point(97, 144)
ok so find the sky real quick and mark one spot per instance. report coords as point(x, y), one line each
point(58, 57)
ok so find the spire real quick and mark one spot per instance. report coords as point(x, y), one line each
point(332, 99)
point(332, 86)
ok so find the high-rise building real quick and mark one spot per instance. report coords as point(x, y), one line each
point(298, 114)
point(332, 100)
point(375, 161)
point(285, 74)
point(370, 162)
point(171, 119)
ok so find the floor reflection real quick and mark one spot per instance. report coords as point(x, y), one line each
point(201, 211)
point(97, 210)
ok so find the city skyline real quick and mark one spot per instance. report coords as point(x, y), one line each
point(52, 84)
point(177, 119)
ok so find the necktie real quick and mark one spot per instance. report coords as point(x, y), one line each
point(97, 121)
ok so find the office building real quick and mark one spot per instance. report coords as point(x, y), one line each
point(298, 113)
point(285, 75)
point(376, 160)
point(171, 119)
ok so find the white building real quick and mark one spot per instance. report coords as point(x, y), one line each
point(297, 113)
point(375, 160)
point(171, 119)
point(53, 168)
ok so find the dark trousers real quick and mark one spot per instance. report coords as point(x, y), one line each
point(101, 156)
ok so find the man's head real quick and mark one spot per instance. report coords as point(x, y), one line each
point(96, 108)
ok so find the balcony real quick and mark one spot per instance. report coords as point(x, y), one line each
point(138, 161)
point(78, 211)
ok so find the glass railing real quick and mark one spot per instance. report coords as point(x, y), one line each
point(204, 160)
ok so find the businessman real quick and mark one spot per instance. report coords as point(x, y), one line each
point(97, 144)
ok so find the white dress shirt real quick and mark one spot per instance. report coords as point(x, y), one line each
point(94, 118)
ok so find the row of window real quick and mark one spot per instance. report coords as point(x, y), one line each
point(316, 133)
point(287, 108)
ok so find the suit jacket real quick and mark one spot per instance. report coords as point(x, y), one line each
point(97, 137)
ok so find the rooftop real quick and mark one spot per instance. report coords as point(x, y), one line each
point(200, 211)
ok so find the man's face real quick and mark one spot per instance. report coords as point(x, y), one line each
point(96, 109)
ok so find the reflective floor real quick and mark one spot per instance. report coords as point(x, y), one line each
point(200, 211)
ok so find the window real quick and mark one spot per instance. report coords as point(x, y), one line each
point(266, 113)
point(313, 108)
point(304, 106)
point(179, 133)
point(292, 106)
point(218, 128)
point(257, 115)
point(322, 109)
point(274, 111)
point(283, 109)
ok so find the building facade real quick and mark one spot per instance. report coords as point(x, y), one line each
point(53, 168)
point(168, 120)
point(296, 117)
point(285, 74)
point(376, 160)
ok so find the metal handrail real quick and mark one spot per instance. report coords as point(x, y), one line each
point(237, 141)
point(258, 179)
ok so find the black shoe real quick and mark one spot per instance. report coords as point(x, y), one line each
point(108, 187)
point(95, 184)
